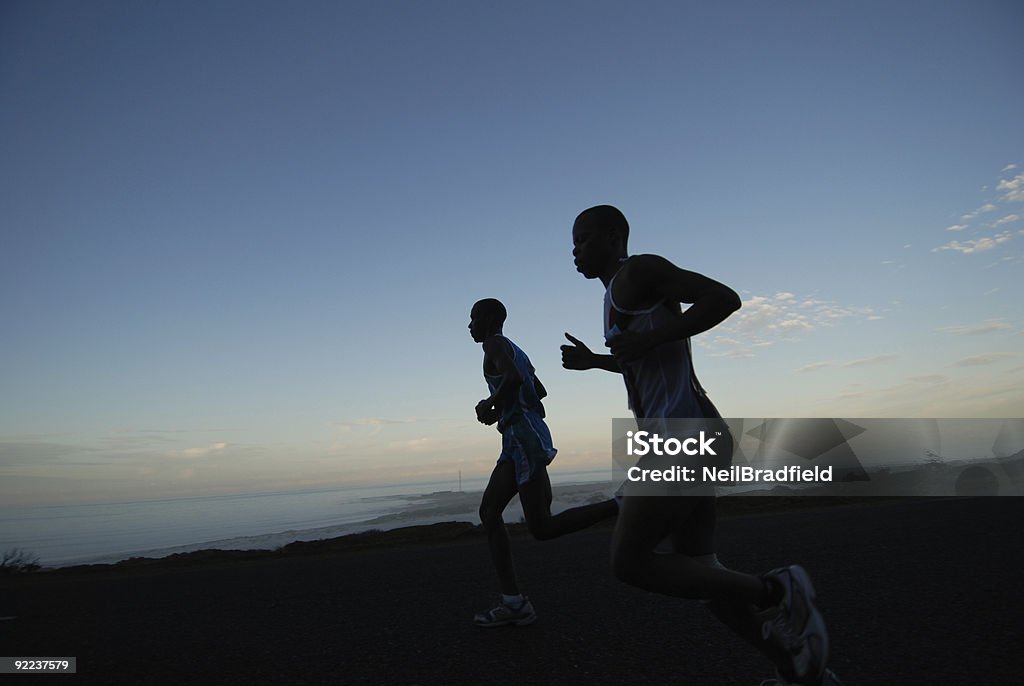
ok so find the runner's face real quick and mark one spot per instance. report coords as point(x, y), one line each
point(479, 323)
point(593, 249)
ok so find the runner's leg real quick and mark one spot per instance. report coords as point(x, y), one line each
point(499, 492)
point(642, 523)
point(535, 496)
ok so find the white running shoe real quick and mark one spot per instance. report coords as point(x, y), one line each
point(799, 628)
point(503, 615)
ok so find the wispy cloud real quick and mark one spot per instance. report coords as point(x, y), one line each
point(373, 421)
point(912, 387)
point(980, 395)
point(196, 453)
point(1014, 188)
point(983, 244)
point(119, 447)
point(983, 328)
point(980, 392)
point(373, 424)
point(765, 320)
point(795, 324)
point(814, 366)
point(729, 347)
point(422, 444)
point(984, 359)
point(928, 379)
point(987, 207)
point(871, 360)
point(21, 453)
point(1007, 190)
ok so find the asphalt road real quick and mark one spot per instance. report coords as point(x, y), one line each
point(926, 592)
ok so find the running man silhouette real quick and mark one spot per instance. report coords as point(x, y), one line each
point(648, 334)
point(526, 450)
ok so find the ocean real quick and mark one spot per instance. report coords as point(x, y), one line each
point(108, 532)
point(63, 535)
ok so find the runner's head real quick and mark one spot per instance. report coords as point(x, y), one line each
point(599, 237)
point(486, 319)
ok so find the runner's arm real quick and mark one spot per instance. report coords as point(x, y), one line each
point(497, 353)
point(579, 356)
point(648, 279)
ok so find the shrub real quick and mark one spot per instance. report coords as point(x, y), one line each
point(18, 561)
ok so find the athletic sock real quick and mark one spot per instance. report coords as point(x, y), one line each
point(513, 601)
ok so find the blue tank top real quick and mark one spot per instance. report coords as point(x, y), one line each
point(527, 399)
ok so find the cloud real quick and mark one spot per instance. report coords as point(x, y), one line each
point(416, 445)
point(196, 453)
point(796, 324)
point(986, 327)
point(34, 453)
point(1011, 190)
point(913, 387)
point(374, 424)
point(1014, 188)
point(1011, 184)
point(735, 354)
point(929, 379)
point(116, 451)
point(983, 359)
point(814, 366)
point(977, 245)
point(764, 321)
point(373, 421)
point(729, 347)
point(987, 207)
point(871, 360)
point(977, 395)
point(758, 312)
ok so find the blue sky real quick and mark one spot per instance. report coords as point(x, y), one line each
point(241, 240)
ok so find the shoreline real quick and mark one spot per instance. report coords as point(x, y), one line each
point(290, 518)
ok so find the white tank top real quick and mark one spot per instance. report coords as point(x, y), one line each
point(660, 384)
